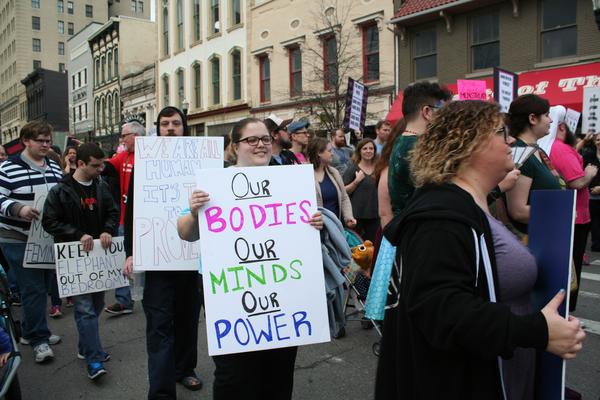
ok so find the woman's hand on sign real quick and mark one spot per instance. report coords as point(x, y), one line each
point(198, 199)
point(88, 242)
point(128, 267)
point(3, 359)
point(350, 223)
point(29, 213)
point(565, 337)
point(317, 220)
point(105, 240)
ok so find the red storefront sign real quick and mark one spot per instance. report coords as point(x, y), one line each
point(562, 86)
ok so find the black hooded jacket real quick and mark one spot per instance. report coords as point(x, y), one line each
point(444, 335)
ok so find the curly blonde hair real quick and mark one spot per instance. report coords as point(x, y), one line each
point(456, 131)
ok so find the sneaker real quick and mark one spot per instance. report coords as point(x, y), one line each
point(70, 302)
point(95, 370)
point(118, 309)
point(15, 299)
point(106, 357)
point(52, 340)
point(42, 352)
point(55, 312)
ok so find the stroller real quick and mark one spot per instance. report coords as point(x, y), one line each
point(9, 380)
point(358, 287)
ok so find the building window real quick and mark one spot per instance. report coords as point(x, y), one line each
point(109, 65)
point(180, 88)
point(165, 17)
point(265, 78)
point(85, 110)
point(485, 41)
point(215, 74)
point(197, 86)
point(61, 27)
point(61, 67)
point(85, 76)
point(215, 26)
point(236, 12)
point(165, 82)
point(116, 61)
point(61, 48)
point(295, 57)
point(370, 43)
point(71, 28)
point(109, 108)
point(35, 23)
point(37, 64)
point(179, 24)
point(37, 45)
point(559, 29)
point(236, 74)
point(196, 19)
point(89, 11)
point(103, 69)
point(73, 87)
point(117, 107)
point(425, 50)
point(70, 7)
point(97, 73)
point(141, 7)
point(103, 112)
point(97, 114)
point(133, 6)
point(60, 6)
point(35, 3)
point(330, 62)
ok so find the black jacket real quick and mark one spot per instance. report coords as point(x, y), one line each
point(444, 337)
point(63, 215)
point(287, 157)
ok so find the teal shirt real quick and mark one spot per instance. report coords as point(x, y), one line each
point(400, 183)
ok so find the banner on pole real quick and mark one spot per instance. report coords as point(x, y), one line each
point(506, 84)
point(39, 250)
point(81, 272)
point(356, 105)
point(262, 264)
point(165, 176)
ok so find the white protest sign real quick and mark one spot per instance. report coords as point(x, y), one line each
point(505, 88)
point(572, 119)
point(39, 250)
point(80, 272)
point(590, 121)
point(165, 176)
point(262, 264)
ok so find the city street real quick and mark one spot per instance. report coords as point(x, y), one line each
point(342, 369)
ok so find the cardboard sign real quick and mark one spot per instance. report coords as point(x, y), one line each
point(39, 250)
point(165, 176)
point(356, 105)
point(551, 230)
point(572, 119)
point(80, 272)
point(262, 264)
point(591, 110)
point(471, 90)
point(505, 88)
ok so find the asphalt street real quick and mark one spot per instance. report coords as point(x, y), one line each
point(341, 369)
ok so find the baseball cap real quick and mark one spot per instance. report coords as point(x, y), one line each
point(298, 125)
point(279, 123)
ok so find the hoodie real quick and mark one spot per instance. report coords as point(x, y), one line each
point(445, 334)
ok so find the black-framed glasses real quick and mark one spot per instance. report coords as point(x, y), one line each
point(504, 132)
point(124, 135)
point(253, 140)
point(43, 141)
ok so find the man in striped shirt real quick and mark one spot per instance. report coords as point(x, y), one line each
point(21, 176)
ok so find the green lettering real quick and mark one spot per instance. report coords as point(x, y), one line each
point(237, 278)
point(221, 281)
point(282, 269)
point(260, 279)
point(299, 275)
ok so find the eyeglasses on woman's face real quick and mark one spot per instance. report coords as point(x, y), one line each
point(504, 132)
point(253, 140)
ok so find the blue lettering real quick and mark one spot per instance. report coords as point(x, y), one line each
point(222, 333)
point(277, 326)
point(235, 331)
point(261, 333)
point(300, 319)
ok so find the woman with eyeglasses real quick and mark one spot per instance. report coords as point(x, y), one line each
point(244, 375)
point(462, 326)
point(331, 191)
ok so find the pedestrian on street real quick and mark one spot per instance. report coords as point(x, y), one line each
point(300, 137)
point(21, 176)
point(81, 208)
point(341, 153)
point(464, 309)
point(382, 130)
point(172, 301)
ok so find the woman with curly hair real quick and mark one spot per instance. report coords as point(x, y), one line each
point(462, 326)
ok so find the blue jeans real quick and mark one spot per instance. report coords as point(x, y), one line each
point(34, 292)
point(123, 295)
point(87, 309)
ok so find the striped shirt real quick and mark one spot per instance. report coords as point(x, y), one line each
point(19, 181)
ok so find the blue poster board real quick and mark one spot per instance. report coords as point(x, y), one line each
point(551, 227)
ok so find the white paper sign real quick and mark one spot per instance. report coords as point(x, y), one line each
point(261, 260)
point(572, 119)
point(506, 90)
point(591, 110)
point(165, 176)
point(39, 250)
point(80, 272)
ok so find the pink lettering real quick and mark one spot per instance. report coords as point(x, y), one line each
point(289, 213)
point(274, 207)
point(262, 218)
point(304, 204)
point(212, 215)
point(240, 219)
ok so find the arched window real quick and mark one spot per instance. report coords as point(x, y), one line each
point(103, 69)
point(117, 108)
point(180, 88)
point(165, 38)
point(236, 74)
point(109, 65)
point(165, 84)
point(98, 120)
point(116, 60)
point(110, 113)
point(103, 112)
point(215, 78)
point(179, 25)
point(197, 86)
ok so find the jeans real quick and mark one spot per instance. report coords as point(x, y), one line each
point(53, 289)
point(33, 285)
point(172, 301)
point(123, 294)
point(87, 309)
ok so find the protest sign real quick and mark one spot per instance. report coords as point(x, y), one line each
point(165, 176)
point(591, 110)
point(505, 88)
point(551, 230)
point(261, 259)
point(81, 272)
point(39, 250)
point(471, 90)
point(572, 119)
point(356, 105)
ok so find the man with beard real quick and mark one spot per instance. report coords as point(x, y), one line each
point(281, 155)
point(342, 154)
point(569, 165)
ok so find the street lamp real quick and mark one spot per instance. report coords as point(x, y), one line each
point(185, 106)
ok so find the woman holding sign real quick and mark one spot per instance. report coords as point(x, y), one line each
point(267, 374)
point(463, 326)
